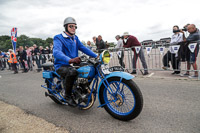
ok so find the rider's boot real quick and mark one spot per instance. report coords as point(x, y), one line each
point(68, 92)
point(70, 101)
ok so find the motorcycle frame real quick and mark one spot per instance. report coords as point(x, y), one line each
point(98, 74)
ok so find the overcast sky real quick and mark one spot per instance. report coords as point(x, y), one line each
point(145, 19)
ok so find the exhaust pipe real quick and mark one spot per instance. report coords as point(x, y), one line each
point(47, 94)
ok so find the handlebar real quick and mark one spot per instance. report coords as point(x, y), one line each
point(84, 58)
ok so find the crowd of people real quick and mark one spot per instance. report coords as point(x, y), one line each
point(178, 38)
point(184, 53)
point(25, 58)
point(28, 57)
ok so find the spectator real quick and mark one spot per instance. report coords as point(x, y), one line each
point(120, 51)
point(47, 50)
point(100, 44)
point(42, 55)
point(89, 45)
point(183, 47)
point(94, 39)
point(177, 37)
point(32, 53)
point(7, 59)
point(36, 54)
point(51, 48)
point(2, 60)
point(131, 41)
point(13, 61)
point(106, 45)
point(191, 58)
point(22, 58)
point(29, 58)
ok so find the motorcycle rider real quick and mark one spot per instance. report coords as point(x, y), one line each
point(65, 52)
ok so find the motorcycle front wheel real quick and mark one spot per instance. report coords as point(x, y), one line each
point(123, 100)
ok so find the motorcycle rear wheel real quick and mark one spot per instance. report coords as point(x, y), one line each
point(49, 85)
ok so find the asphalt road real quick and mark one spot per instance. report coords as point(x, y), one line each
point(170, 105)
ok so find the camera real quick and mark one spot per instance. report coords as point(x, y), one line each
point(184, 29)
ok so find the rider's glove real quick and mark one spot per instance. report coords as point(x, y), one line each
point(76, 60)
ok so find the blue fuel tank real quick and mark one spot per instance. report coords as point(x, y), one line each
point(86, 72)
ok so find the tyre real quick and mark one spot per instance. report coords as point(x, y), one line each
point(124, 100)
point(49, 85)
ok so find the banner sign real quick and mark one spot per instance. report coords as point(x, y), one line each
point(119, 53)
point(161, 49)
point(148, 49)
point(175, 48)
point(14, 38)
point(137, 49)
point(192, 47)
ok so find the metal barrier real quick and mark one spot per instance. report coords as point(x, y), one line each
point(154, 59)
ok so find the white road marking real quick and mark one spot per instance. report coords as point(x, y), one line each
point(150, 75)
point(0, 76)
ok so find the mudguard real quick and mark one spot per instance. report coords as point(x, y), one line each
point(122, 75)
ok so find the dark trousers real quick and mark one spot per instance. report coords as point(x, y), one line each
point(14, 67)
point(142, 58)
point(174, 61)
point(1, 64)
point(4, 62)
point(121, 59)
point(43, 57)
point(9, 64)
point(68, 74)
point(37, 60)
point(23, 65)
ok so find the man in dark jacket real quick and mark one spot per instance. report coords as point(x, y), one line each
point(37, 58)
point(131, 41)
point(65, 52)
point(100, 44)
point(22, 57)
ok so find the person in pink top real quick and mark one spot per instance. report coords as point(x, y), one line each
point(29, 57)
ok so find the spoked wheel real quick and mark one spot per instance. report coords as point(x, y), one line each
point(123, 100)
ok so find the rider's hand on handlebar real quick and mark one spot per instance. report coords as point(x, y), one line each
point(97, 57)
point(76, 60)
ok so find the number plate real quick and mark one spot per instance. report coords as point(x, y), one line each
point(105, 69)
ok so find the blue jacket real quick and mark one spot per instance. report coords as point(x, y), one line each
point(66, 48)
point(3, 54)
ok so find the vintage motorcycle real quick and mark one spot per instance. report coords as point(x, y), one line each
point(116, 91)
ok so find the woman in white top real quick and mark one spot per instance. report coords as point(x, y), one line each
point(172, 55)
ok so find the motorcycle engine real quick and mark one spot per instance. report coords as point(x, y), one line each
point(82, 80)
point(82, 94)
point(81, 89)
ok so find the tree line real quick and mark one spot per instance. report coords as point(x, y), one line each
point(23, 40)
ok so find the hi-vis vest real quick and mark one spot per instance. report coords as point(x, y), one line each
point(14, 59)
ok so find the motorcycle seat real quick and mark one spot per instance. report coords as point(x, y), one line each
point(47, 66)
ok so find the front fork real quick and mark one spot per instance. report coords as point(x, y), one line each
point(114, 96)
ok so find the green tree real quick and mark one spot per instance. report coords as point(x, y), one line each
point(48, 41)
point(23, 40)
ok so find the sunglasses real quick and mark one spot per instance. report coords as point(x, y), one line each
point(71, 26)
